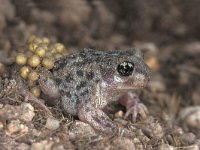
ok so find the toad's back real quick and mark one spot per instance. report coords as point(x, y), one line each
point(77, 75)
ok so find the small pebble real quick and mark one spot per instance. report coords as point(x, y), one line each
point(1, 105)
point(52, 124)
point(1, 126)
point(154, 129)
point(15, 126)
point(191, 116)
point(42, 145)
point(167, 147)
point(123, 143)
point(188, 138)
point(27, 112)
point(81, 130)
point(119, 114)
point(22, 146)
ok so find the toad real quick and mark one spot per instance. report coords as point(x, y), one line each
point(85, 82)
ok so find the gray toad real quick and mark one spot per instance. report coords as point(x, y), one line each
point(87, 81)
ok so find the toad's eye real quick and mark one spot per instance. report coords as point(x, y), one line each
point(126, 68)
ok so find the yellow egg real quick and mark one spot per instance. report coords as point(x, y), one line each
point(31, 83)
point(3, 69)
point(21, 59)
point(45, 40)
point(40, 51)
point(49, 55)
point(52, 50)
point(35, 91)
point(32, 47)
point(48, 63)
point(37, 40)
point(34, 61)
point(33, 76)
point(60, 48)
point(31, 38)
point(24, 71)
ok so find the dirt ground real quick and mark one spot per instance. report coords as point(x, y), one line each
point(168, 33)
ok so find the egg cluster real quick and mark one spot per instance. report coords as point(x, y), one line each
point(39, 53)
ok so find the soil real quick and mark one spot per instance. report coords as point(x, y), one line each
point(166, 31)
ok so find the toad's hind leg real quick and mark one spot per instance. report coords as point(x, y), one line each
point(100, 121)
point(69, 105)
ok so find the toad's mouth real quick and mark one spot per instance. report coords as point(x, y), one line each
point(125, 86)
point(130, 84)
point(121, 87)
point(129, 87)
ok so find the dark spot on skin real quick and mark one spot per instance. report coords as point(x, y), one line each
point(97, 54)
point(68, 78)
point(68, 94)
point(87, 110)
point(97, 119)
point(79, 64)
point(108, 125)
point(84, 92)
point(79, 73)
point(65, 85)
point(82, 84)
point(90, 75)
point(58, 81)
point(78, 87)
point(98, 59)
point(83, 55)
point(60, 65)
point(76, 99)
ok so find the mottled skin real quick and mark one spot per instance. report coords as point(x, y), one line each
point(86, 82)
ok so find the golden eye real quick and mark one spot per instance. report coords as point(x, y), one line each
point(126, 68)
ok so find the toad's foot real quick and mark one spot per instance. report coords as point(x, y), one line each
point(100, 121)
point(133, 106)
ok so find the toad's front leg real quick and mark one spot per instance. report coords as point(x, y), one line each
point(133, 106)
point(100, 121)
point(49, 88)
